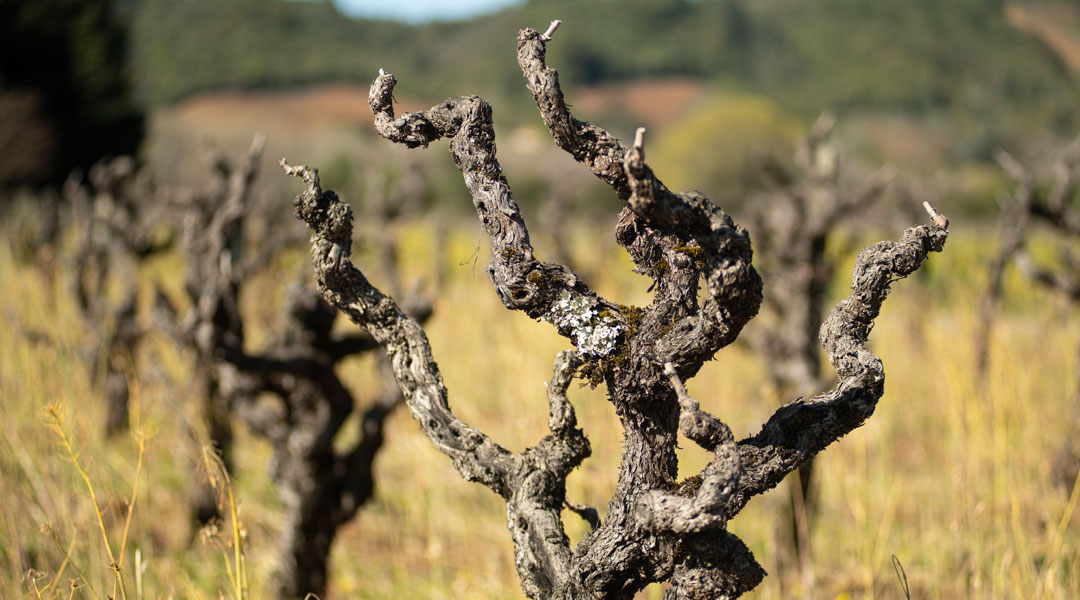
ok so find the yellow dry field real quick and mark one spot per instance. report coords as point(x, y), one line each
point(950, 477)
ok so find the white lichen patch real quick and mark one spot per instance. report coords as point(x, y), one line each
point(593, 334)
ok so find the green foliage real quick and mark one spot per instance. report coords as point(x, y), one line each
point(184, 47)
point(920, 56)
point(961, 61)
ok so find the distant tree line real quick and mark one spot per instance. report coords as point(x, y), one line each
point(962, 58)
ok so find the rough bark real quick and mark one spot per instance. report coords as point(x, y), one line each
point(655, 529)
point(791, 227)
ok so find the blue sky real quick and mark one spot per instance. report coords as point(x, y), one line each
point(421, 11)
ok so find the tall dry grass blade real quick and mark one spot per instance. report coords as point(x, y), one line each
point(63, 565)
point(1022, 548)
point(55, 421)
point(1055, 546)
point(134, 391)
point(140, 439)
point(139, 566)
point(884, 529)
point(74, 565)
point(901, 575)
point(233, 578)
point(219, 478)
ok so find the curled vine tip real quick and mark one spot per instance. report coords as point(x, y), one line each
point(308, 174)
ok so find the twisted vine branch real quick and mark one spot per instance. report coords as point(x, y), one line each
point(654, 529)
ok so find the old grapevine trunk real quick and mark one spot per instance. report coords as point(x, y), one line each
point(655, 528)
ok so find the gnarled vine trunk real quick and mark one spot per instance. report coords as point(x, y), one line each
point(656, 528)
point(288, 392)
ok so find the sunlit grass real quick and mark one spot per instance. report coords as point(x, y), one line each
point(950, 476)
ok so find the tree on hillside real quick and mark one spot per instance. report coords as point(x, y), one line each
point(656, 528)
point(716, 146)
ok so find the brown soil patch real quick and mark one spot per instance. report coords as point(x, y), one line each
point(653, 102)
point(316, 107)
point(313, 124)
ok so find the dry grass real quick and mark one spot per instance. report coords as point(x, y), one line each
point(952, 480)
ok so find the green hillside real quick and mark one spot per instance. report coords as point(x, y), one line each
point(960, 61)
